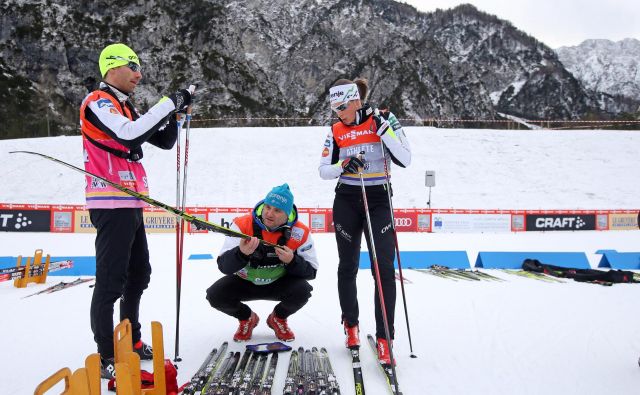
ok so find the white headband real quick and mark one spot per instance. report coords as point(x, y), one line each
point(343, 93)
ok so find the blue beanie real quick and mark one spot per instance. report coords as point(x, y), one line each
point(280, 197)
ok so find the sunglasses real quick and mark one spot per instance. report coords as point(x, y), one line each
point(341, 107)
point(131, 65)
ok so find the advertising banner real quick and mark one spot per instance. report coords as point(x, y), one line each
point(318, 222)
point(545, 222)
point(61, 220)
point(198, 212)
point(225, 219)
point(471, 223)
point(424, 222)
point(405, 221)
point(25, 220)
point(623, 221)
point(159, 221)
point(517, 223)
point(82, 222)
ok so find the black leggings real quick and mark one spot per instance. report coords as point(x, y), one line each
point(122, 272)
point(228, 293)
point(350, 221)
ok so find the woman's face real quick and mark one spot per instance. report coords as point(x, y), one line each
point(348, 114)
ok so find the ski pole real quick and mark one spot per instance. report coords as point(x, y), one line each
point(378, 281)
point(179, 223)
point(180, 227)
point(395, 239)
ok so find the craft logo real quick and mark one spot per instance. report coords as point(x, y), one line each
point(20, 222)
point(561, 222)
point(25, 220)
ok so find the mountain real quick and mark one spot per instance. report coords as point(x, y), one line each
point(277, 59)
point(605, 66)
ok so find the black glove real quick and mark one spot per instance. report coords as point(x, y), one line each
point(351, 164)
point(382, 125)
point(181, 99)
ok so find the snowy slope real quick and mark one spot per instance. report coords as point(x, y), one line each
point(474, 169)
point(520, 336)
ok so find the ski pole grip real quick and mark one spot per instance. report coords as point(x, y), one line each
point(192, 89)
point(361, 157)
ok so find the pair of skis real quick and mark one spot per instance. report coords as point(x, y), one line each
point(386, 369)
point(459, 274)
point(60, 286)
point(310, 372)
point(14, 273)
point(533, 275)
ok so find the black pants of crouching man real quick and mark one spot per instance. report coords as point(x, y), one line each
point(228, 293)
point(123, 272)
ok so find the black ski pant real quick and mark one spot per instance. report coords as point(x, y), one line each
point(123, 272)
point(350, 222)
point(228, 293)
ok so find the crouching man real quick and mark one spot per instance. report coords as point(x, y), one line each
point(254, 271)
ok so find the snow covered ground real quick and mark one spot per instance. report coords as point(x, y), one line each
point(520, 336)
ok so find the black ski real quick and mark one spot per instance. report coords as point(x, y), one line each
point(197, 222)
point(270, 372)
point(236, 379)
point(216, 377)
point(292, 374)
point(357, 371)
point(200, 378)
point(258, 375)
point(226, 376)
point(386, 369)
point(327, 379)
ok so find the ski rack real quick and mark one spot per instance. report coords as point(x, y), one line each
point(29, 269)
point(127, 362)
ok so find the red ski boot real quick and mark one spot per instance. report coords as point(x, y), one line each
point(245, 328)
point(353, 335)
point(384, 356)
point(280, 327)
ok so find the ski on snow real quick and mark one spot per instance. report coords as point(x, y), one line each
point(386, 368)
point(60, 286)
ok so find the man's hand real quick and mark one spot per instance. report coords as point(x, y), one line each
point(352, 164)
point(248, 246)
point(181, 99)
point(285, 254)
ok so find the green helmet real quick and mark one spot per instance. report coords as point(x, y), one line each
point(116, 55)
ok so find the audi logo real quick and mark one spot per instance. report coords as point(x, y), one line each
point(403, 222)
